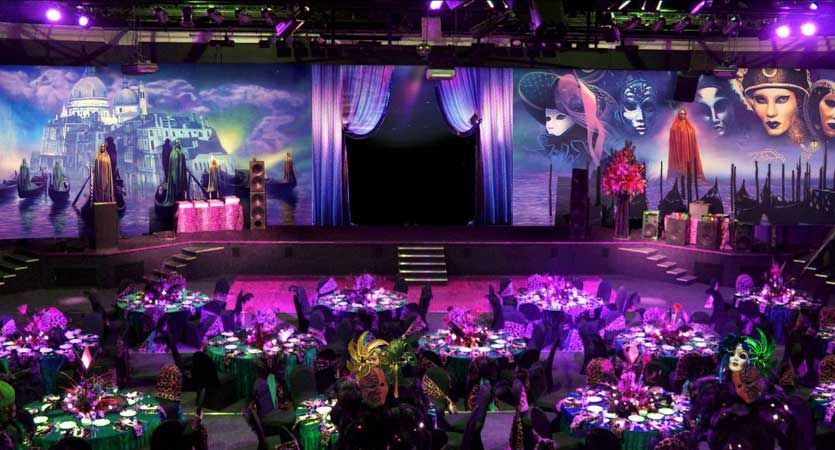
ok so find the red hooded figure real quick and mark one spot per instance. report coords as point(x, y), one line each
point(684, 151)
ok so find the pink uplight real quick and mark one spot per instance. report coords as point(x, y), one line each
point(808, 29)
point(783, 31)
point(53, 15)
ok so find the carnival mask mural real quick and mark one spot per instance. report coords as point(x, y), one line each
point(820, 109)
point(714, 106)
point(637, 108)
point(557, 122)
point(374, 387)
point(827, 114)
point(775, 96)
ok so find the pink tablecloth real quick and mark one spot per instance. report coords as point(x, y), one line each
point(212, 215)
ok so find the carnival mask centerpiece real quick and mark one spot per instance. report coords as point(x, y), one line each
point(749, 361)
point(373, 362)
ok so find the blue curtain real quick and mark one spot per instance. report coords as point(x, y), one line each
point(354, 98)
point(482, 99)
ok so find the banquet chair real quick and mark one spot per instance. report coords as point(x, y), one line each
point(425, 300)
point(496, 308)
point(302, 384)
point(282, 439)
point(470, 439)
point(264, 393)
point(593, 347)
point(222, 289)
point(654, 374)
point(826, 318)
point(542, 422)
point(744, 284)
point(530, 312)
point(506, 292)
point(215, 390)
point(325, 369)
point(326, 286)
point(602, 439)
point(93, 323)
point(604, 291)
point(750, 316)
point(689, 368)
point(577, 282)
point(401, 286)
point(302, 305)
point(548, 399)
point(232, 318)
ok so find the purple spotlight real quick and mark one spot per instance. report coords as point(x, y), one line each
point(53, 15)
point(808, 29)
point(783, 31)
point(435, 5)
point(83, 21)
point(698, 7)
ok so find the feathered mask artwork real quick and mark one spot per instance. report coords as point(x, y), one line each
point(761, 351)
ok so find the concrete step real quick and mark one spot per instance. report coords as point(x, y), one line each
point(183, 258)
point(667, 264)
point(160, 272)
point(430, 280)
point(22, 259)
point(421, 255)
point(687, 279)
point(151, 278)
point(677, 272)
point(175, 265)
point(6, 274)
point(12, 267)
point(822, 275)
point(642, 250)
point(421, 263)
point(194, 251)
point(420, 248)
point(656, 258)
point(428, 271)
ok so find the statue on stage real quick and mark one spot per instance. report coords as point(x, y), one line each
point(213, 186)
point(289, 172)
point(110, 146)
point(103, 177)
point(166, 155)
point(684, 150)
point(177, 176)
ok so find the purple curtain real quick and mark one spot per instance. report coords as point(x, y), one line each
point(354, 98)
point(485, 96)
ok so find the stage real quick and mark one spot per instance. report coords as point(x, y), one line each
point(301, 250)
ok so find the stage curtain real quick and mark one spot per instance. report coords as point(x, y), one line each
point(481, 99)
point(354, 98)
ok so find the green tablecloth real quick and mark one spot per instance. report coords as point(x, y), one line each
point(135, 316)
point(311, 434)
point(105, 438)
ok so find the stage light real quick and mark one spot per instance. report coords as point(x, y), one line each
point(783, 31)
point(808, 29)
point(813, 6)
point(658, 6)
point(161, 15)
point(269, 17)
point(698, 6)
point(83, 21)
point(286, 28)
point(682, 25)
point(632, 23)
point(215, 16)
point(708, 25)
point(658, 25)
point(53, 14)
point(490, 4)
point(188, 17)
point(435, 5)
point(624, 4)
point(243, 17)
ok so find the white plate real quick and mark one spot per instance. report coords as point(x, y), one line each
point(497, 346)
point(594, 409)
point(668, 348)
point(75, 341)
point(230, 347)
point(46, 350)
point(128, 413)
point(609, 415)
point(293, 340)
point(701, 344)
point(232, 339)
point(484, 349)
point(65, 346)
point(228, 333)
point(68, 425)
point(37, 420)
point(594, 399)
point(254, 351)
point(686, 348)
point(101, 422)
point(464, 349)
point(24, 350)
point(324, 410)
point(649, 345)
point(655, 416)
point(636, 418)
point(500, 341)
point(666, 411)
point(86, 421)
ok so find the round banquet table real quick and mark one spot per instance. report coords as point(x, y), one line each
point(822, 400)
point(780, 310)
point(499, 345)
point(135, 308)
point(107, 437)
point(588, 408)
point(316, 431)
point(351, 301)
point(20, 352)
point(668, 346)
point(559, 305)
point(233, 356)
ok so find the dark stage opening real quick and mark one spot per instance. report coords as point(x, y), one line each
point(413, 169)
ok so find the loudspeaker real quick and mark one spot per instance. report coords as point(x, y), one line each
point(105, 225)
point(578, 219)
point(257, 195)
point(650, 227)
point(698, 209)
point(686, 88)
point(677, 230)
point(707, 235)
point(743, 237)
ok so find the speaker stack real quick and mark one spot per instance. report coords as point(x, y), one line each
point(708, 234)
point(257, 195)
point(578, 223)
point(743, 237)
point(650, 228)
point(676, 230)
point(106, 226)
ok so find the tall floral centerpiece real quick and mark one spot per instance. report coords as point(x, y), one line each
point(623, 179)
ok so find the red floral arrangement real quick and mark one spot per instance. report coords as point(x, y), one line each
point(624, 174)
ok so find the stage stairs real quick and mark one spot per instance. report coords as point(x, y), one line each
point(422, 264)
point(662, 262)
point(17, 265)
point(179, 262)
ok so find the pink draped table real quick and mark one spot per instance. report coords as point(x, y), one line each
point(212, 215)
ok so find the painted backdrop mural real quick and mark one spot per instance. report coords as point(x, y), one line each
point(565, 119)
point(53, 119)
